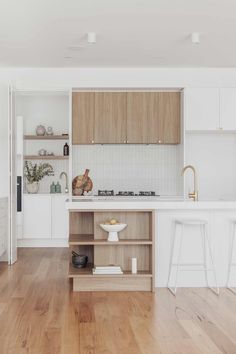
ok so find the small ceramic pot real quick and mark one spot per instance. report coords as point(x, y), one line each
point(49, 131)
point(42, 152)
point(49, 153)
point(79, 260)
point(32, 188)
point(40, 130)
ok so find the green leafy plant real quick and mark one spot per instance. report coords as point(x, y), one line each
point(36, 172)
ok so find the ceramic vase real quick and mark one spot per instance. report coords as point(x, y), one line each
point(40, 130)
point(32, 188)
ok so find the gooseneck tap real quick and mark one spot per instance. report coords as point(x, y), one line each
point(194, 194)
point(65, 174)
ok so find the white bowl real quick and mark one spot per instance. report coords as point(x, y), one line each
point(113, 231)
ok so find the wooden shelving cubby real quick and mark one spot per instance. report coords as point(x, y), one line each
point(137, 240)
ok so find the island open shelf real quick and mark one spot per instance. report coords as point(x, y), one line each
point(136, 240)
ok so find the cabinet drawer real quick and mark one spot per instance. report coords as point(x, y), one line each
point(131, 283)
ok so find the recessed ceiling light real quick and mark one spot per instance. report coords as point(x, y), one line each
point(195, 37)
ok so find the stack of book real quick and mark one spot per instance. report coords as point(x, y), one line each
point(107, 270)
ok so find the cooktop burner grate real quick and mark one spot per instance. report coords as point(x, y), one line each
point(106, 193)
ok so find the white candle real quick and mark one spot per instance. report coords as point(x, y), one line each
point(134, 265)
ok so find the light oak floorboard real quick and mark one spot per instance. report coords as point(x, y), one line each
point(39, 314)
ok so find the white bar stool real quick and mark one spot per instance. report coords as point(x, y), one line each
point(231, 250)
point(202, 224)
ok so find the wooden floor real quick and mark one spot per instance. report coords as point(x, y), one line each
point(40, 314)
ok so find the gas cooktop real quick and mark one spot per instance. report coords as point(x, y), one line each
point(111, 193)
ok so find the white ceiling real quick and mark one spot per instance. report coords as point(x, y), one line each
point(37, 33)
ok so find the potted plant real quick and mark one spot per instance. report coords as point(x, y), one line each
point(34, 173)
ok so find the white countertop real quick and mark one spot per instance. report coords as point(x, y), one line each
point(45, 194)
point(146, 203)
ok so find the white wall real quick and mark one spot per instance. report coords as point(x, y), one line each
point(3, 140)
point(119, 77)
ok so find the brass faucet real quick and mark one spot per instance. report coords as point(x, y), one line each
point(194, 194)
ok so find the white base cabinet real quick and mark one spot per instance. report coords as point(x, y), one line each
point(45, 217)
point(60, 218)
point(37, 216)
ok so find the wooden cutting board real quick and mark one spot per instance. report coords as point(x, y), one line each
point(82, 183)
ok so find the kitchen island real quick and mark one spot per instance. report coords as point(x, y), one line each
point(164, 211)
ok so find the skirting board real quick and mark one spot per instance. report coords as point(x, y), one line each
point(42, 243)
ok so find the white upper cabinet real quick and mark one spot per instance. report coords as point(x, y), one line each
point(202, 109)
point(228, 108)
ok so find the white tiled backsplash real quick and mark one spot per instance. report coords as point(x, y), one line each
point(131, 167)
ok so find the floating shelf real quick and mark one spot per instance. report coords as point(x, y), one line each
point(87, 272)
point(89, 240)
point(52, 157)
point(46, 137)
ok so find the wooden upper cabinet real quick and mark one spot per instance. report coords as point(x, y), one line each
point(138, 117)
point(110, 117)
point(153, 117)
point(169, 117)
point(119, 117)
point(83, 117)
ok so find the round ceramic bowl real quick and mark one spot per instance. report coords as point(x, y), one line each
point(113, 231)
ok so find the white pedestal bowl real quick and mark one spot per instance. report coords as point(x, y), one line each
point(113, 231)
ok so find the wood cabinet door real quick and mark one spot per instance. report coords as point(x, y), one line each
point(83, 117)
point(169, 117)
point(142, 118)
point(110, 117)
point(202, 109)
